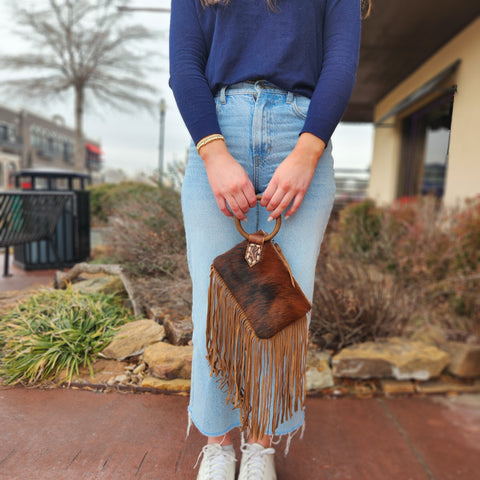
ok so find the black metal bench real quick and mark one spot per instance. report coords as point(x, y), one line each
point(27, 216)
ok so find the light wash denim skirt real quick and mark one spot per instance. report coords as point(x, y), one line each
point(261, 124)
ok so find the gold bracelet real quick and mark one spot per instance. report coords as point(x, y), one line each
point(208, 139)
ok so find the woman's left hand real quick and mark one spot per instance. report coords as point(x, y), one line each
point(293, 176)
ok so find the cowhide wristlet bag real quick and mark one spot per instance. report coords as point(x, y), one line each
point(257, 331)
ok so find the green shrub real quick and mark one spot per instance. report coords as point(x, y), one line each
point(55, 331)
point(106, 197)
point(358, 228)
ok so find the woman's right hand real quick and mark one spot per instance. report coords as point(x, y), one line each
point(228, 179)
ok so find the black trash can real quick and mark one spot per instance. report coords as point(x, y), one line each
point(72, 236)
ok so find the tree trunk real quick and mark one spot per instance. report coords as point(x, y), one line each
point(79, 162)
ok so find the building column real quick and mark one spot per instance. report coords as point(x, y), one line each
point(383, 184)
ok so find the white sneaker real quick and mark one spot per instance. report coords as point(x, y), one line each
point(257, 463)
point(217, 463)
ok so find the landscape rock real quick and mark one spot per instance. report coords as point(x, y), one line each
point(108, 284)
point(178, 330)
point(155, 313)
point(393, 357)
point(121, 379)
point(446, 386)
point(139, 368)
point(465, 359)
point(103, 372)
point(132, 339)
point(176, 385)
point(319, 374)
point(86, 269)
point(390, 386)
point(168, 361)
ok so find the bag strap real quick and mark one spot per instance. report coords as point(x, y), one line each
point(269, 236)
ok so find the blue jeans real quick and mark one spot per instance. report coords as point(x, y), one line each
point(261, 124)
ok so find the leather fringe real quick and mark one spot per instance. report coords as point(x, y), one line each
point(264, 378)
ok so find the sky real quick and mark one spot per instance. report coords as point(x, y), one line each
point(130, 140)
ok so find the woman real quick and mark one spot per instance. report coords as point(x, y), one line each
point(261, 86)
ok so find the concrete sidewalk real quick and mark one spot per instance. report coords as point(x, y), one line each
point(76, 434)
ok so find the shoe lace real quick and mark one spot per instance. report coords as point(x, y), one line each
point(217, 461)
point(254, 460)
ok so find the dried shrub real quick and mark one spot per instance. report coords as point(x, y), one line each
point(355, 302)
point(460, 287)
point(429, 252)
point(466, 230)
point(168, 294)
point(437, 250)
point(147, 234)
point(416, 240)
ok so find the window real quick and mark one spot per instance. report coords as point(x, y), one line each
point(8, 134)
point(425, 143)
point(67, 151)
point(3, 132)
point(11, 169)
point(12, 134)
point(51, 145)
point(35, 139)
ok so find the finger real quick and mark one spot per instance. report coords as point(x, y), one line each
point(248, 202)
point(242, 202)
point(235, 208)
point(222, 205)
point(296, 204)
point(268, 193)
point(284, 203)
point(250, 195)
point(276, 199)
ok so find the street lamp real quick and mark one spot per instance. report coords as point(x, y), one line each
point(162, 108)
point(162, 105)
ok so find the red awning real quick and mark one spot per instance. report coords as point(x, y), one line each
point(94, 148)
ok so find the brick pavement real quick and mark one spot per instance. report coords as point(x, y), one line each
point(77, 434)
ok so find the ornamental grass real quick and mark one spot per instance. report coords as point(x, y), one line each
point(57, 331)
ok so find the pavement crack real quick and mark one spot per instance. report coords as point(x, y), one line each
point(141, 463)
point(407, 439)
point(3, 460)
point(107, 461)
point(73, 459)
point(179, 458)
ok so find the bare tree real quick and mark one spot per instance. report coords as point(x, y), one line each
point(84, 46)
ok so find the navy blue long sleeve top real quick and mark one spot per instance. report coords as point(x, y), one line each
point(309, 47)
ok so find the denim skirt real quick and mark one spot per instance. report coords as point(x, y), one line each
point(261, 124)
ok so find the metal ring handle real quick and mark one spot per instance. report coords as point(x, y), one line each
point(267, 237)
